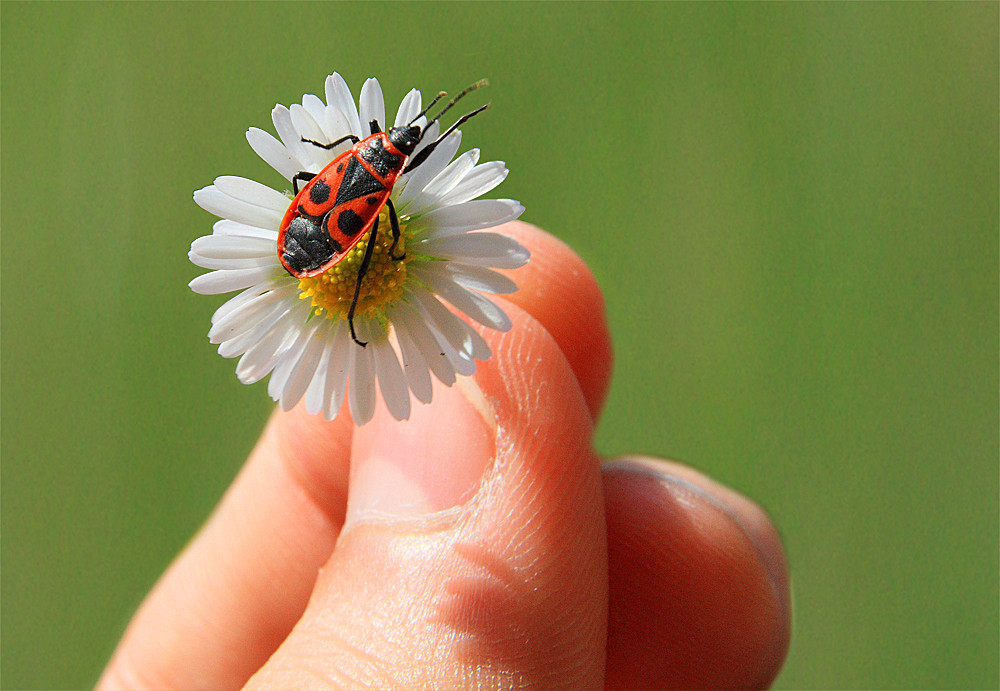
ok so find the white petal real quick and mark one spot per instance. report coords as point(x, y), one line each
point(235, 255)
point(228, 264)
point(372, 105)
point(274, 153)
point(453, 173)
point(475, 306)
point(428, 170)
point(339, 95)
point(260, 359)
point(472, 215)
point(418, 377)
point(337, 124)
point(305, 153)
point(213, 200)
point(408, 108)
point(338, 364)
point(391, 381)
point(317, 110)
point(308, 367)
point(361, 380)
point(287, 360)
point(479, 278)
point(241, 318)
point(459, 341)
point(481, 249)
point(308, 128)
point(216, 282)
point(481, 180)
point(245, 297)
point(462, 362)
point(411, 324)
point(297, 367)
point(480, 348)
point(226, 258)
point(440, 320)
point(314, 398)
point(245, 341)
point(438, 188)
point(252, 192)
point(471, 303)
point(231, 247)
point(232, 228)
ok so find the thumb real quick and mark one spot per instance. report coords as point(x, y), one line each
point(474, 548)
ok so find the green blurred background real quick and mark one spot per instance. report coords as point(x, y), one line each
point(792, 209)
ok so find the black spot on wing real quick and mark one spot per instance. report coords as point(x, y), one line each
point(349, 222)
point(357, 182)
point(319, 193)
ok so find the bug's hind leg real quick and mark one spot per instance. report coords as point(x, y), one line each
point(394, 220)
point(365, 263)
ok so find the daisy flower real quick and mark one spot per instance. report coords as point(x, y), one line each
point(296, 329)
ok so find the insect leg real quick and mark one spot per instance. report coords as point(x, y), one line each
point(374, 126)
point(353, 138)
point(301, 175)
point(361, 276)
point(394, 220)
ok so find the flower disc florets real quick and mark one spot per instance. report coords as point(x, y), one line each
point(333, 291)
point(405, 311)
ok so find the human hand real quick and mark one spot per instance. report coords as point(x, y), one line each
point(480, 543)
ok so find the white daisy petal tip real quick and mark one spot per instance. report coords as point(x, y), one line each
point(429, 263)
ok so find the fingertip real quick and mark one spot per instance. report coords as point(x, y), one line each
point(558, 289)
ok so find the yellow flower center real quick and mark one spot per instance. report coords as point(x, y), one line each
point(333, 291)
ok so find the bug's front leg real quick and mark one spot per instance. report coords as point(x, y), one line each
point(301, 175)
point(353, 139)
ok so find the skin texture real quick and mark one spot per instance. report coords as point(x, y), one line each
point(481, 543)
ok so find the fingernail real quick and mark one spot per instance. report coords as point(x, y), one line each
point(751, 519)
point(431, 463)
point(760, 532)
point(684, 483)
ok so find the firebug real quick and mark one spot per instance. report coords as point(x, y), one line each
point(336, 206)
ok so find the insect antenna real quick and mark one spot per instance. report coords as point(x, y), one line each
point(441, 94)
point(472, 87)
point(458, 122)
point(427, 150)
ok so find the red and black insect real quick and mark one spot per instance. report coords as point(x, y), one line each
point(331, 213)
